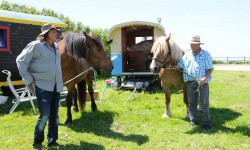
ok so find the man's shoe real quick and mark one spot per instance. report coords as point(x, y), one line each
point(192, 124)
point(206, 126)
point(38, 146)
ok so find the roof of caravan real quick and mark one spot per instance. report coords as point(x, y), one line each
point(23, 18)
point(136, 23)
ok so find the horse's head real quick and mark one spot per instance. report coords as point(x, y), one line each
point(161, 53)
point(96, 54)
point(85, 46)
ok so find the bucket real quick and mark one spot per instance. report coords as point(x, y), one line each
point(108, 83)
point(114, 83)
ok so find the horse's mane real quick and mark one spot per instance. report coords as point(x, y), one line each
point(75, 45)
point(161, 45)
point(96, 40)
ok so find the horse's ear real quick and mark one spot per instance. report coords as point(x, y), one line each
point(89, 37)
point(90, 33)
point(85, 34)
point(155, 38)
point(109, 41)
point(168, 37)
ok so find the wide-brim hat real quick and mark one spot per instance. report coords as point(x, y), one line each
point(196, 40)
point(47, 27)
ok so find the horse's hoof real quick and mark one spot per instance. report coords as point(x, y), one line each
point(68, 122)
point(94, 109)
point(76, 109)
point(165, 116)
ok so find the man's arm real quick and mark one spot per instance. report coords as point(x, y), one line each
point(204, 79)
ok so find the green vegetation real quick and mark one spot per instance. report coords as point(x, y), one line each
point(138, 123)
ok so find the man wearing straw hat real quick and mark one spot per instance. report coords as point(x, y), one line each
point(197, 68)
point(39, 65)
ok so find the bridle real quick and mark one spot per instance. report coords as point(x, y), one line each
point(98, 60)
point(89, 50)
point(168, 56)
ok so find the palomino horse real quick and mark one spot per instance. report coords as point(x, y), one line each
point(166, 55)
point(73, 48)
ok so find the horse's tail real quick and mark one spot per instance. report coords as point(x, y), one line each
point(81, 91)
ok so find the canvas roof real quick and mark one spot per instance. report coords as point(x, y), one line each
point(136, 23)
point(23, 18)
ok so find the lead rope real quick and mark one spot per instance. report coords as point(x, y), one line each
point(91, 68)
point(197, 90)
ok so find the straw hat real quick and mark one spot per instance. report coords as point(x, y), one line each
point(47, 27)
point(196, 40)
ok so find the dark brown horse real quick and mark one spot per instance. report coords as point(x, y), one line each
point(166, 55)
point(78, 52)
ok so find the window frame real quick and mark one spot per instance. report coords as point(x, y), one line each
point(7, 49)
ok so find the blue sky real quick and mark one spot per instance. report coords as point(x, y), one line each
point(224, 25)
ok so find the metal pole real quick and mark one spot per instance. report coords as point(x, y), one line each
point(130, 95)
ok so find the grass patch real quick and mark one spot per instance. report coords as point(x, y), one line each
point(138, 123)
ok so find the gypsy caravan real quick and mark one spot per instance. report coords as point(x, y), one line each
point(130, 49)
point(131, 45)
point(16, 31)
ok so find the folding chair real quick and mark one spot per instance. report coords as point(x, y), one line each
point(21, 95)
point(64, 93)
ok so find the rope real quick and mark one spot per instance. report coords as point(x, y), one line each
point(65, 135)
point(196, 90)
point(91, 68)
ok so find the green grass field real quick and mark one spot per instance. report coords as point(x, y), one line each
point(138, 123)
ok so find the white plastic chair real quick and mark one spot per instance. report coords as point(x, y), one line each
point(21, 95)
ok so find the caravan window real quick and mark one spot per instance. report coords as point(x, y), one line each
point(4, 38)
point(145, 38)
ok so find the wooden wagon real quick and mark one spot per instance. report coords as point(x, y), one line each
point(16, 31)
point(130, 51)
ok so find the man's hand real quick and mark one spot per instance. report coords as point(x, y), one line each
point(202, 81)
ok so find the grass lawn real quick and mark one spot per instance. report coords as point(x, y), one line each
point(138, 123)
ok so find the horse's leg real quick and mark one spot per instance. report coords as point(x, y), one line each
point(69, 104)
point(185, 98)
point(167, 104)
point(75, 105)
point(91, 92)
point(82, 94)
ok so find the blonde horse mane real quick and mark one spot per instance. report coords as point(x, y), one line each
point(161, 46)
